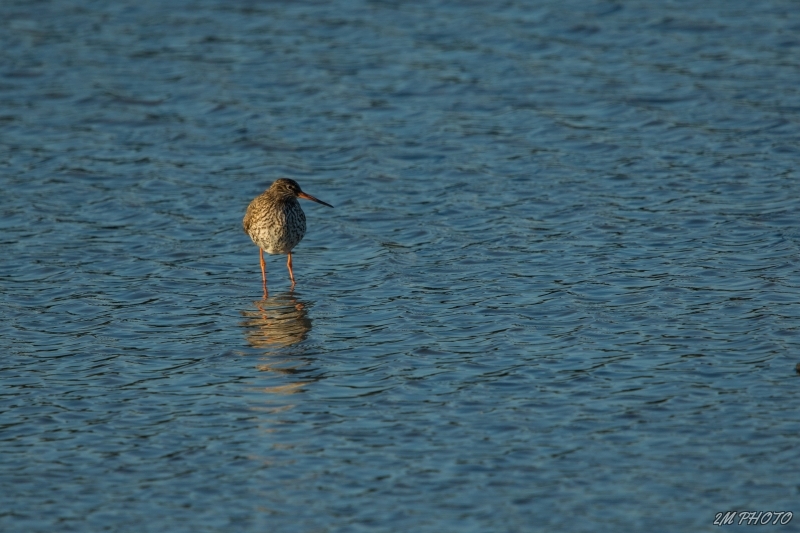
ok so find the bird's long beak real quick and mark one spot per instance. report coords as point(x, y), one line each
point(309, 197)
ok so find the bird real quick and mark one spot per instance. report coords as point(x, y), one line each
point(276, 223)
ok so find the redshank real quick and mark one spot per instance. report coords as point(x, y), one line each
point(276, 223)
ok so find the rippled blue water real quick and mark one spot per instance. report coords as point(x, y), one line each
point(559, 290)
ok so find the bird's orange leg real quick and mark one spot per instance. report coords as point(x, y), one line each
point(263, 271)
point(289, 264)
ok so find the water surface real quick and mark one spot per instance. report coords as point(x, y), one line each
point(559, 289)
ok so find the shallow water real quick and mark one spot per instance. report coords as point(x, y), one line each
point(559, 289)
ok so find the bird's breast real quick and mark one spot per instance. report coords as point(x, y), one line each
point(276, 227)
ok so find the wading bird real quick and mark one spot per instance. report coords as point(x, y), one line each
point(276, 223)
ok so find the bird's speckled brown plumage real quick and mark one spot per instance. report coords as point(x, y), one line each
point(275, 221)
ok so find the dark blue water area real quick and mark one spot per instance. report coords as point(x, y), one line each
point(559, 290)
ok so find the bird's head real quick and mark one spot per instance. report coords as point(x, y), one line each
point(285, 187)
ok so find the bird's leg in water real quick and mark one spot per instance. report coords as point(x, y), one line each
point(263, 271)
point(289, 265)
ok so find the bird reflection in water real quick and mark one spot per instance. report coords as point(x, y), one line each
point(274, 323)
